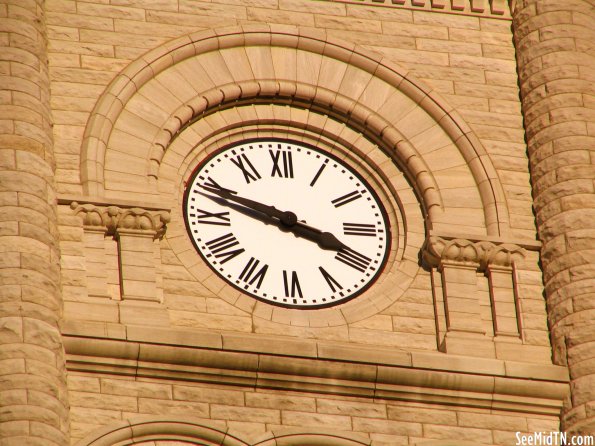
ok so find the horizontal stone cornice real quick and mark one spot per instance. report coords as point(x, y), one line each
point(314, 366)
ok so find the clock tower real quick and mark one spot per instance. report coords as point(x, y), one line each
point(295, 222)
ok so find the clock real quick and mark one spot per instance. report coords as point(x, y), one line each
point(287, 223)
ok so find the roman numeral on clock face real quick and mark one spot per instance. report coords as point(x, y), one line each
point(318, 173)
point(211, 218)
point(295, 285)
point(347, 198)
point(282, 164)
point(363, 229)
point(249, 171)
point(332, 283)
point(221, 247)
point(213, 185)
point(353, 259)
point(248, 274)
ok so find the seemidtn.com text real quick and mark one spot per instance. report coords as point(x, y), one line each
point(553, 439)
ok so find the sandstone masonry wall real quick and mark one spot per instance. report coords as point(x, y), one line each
point(33, 398)
point(556, 68)
point(468, 58)
point(102, 400)
point(462, 49)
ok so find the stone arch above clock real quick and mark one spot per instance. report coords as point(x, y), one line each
point(180, 102)
point(323, 85)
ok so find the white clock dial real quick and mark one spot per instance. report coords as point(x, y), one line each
point(287, 223)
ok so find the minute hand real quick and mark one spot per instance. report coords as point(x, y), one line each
point(288, 219)
point(271, 211)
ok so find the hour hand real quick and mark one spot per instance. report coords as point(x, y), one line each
point(325, 240)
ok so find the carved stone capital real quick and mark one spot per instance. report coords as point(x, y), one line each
point(481, 254)
point(114, 218)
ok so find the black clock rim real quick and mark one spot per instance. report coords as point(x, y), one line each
point(343, 300)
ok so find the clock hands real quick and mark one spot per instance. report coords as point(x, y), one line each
point(325, 240)
point(288, 219)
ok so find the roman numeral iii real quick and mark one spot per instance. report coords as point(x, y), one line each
point(363, 229)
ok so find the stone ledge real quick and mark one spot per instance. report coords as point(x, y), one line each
point(102, 201)
point(315, 366)
point(528, 244)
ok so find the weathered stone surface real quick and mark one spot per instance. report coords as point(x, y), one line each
point(561, 155)
point(29, 273)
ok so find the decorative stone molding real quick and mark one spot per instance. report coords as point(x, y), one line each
point(189, 430)
point(483, 8)
point(438, 250)
point(114, 218)
point(299, 92)
point(256, 361)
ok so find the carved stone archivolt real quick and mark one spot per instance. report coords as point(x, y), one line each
point(113, 218)
point(483, 254)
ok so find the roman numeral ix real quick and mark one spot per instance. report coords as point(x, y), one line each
point(221, 247)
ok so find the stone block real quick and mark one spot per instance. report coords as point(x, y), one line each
point(351, 408)
point(180, 408)
point(421, 415)
point(492, 421)
point(315, 420)
point(259, 415)
point(208, 395)
point(383, 426)
point(100, 401)
point(136, 388)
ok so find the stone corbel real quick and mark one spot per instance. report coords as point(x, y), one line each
point(458, 260)
point(481, 254)
point(113, 218)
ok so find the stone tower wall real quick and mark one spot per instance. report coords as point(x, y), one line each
point(156, 347)
point(32, 389)
point(556, 63)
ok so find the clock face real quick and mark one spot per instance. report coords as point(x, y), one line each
point(287, 223)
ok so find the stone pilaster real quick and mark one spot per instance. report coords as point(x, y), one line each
point(556, 61)
point(33, 397)
point(135, 229)
point(458, 261)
